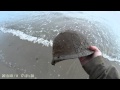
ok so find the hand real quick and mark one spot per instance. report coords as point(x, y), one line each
point(86, 59)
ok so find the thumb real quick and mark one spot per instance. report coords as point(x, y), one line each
point(97, 52)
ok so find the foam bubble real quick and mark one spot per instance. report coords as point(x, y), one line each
point(110, 58)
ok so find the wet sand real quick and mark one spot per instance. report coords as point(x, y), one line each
point(24, 59)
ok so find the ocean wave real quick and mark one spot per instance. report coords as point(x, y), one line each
point(110, 58)
point(107, 38)
point(42, 41)
point(24, 36)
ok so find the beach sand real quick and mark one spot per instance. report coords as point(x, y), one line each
point(26, 60)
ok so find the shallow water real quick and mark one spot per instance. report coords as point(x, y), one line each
point(101, 28)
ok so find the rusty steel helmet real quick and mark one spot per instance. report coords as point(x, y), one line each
point(69, 45)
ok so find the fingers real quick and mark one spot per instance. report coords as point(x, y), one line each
point(97, 52)
point(93, 48)
point(81, 58)
point(86, 59)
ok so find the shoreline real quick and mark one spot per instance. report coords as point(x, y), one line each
point(24, 57)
